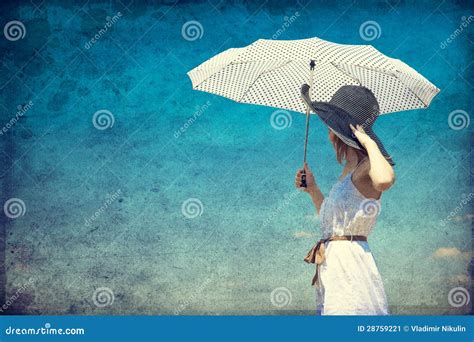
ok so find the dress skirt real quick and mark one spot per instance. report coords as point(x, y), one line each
point(349, 281)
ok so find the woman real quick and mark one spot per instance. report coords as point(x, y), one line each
point(347, 279)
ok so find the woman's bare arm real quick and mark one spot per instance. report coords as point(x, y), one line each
point(380, 172)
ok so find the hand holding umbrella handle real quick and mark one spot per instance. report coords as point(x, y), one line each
point(303, 179)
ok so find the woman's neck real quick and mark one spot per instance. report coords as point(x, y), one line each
point(353, 157)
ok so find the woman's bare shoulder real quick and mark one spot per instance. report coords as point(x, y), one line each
point(363, 182)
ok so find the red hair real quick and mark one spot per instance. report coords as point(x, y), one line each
point(341, 149)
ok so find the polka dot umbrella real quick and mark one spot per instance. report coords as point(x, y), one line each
point(271, 72)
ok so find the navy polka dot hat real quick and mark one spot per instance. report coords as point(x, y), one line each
point(350, 104)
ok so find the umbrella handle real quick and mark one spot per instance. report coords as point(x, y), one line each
point(303, 179)
point(312, 64)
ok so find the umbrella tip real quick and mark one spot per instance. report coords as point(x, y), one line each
point(312, 64)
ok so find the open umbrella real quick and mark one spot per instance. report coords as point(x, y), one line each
point(271, 72)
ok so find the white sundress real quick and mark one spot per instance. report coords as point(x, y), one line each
point(349, 281)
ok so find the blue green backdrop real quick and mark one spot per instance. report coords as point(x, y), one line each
point(138, 195)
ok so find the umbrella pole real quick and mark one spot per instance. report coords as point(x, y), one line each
point(308, 113)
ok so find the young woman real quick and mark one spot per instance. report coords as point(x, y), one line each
point(347, 279)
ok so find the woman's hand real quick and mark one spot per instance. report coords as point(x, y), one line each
point(310, 182)
point(380, 172)
point(311, 186)
point(360, 134)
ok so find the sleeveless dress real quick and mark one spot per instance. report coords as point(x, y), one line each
point(349, 281)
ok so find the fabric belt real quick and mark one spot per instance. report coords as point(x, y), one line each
point(316, 254)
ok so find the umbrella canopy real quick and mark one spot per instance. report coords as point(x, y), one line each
point(271, 72)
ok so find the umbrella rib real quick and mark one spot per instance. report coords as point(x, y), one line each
point(412, 91)
point(345, 73)
point(384, 72)
point(428, 85)
point(260, 75)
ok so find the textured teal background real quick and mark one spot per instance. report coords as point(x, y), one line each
point(139, 251)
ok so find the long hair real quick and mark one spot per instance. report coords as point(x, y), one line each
point(341, 149)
